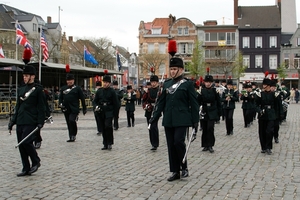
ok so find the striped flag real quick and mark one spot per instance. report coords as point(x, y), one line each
point(44, 45)
point(1, 52)
point(21, 39)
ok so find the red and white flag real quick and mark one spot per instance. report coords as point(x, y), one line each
point(1, 52)
point(44, 45)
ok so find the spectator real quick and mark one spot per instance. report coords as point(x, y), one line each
point(296, 95)
point(292, 96)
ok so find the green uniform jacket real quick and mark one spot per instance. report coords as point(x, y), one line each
point(130, 102)
point(266, 103)
point(107, 100)
point(32, 110)
point(71, 100)
point(149, 98)
point(234, 98)
point(209, 99)
point(248, 101)
point(180, 108)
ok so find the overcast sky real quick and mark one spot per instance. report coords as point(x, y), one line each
point(118, 20)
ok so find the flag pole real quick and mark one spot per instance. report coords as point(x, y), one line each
point(40, 56)
point(83, 55)
point(16, 41)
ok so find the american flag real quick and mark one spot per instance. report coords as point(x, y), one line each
point(21, 39)
point(44, 45)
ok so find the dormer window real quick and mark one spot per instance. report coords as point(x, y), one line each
point(156, 31)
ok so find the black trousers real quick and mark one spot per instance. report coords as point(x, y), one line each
point(116, 119)
point(228, 113)
point(38, 137)
point(276, 128)
point(248, 116)
point(176, 147)
point(27, 149)
point(130, 115)
point(153, 133)
point(266, 131)
point(107, 130)
point(97, 118)
point(208, 133)
point(71, 119)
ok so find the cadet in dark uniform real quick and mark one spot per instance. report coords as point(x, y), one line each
point(120, 95)
point(149, 99)
point(209, 99)
point(130, 98)
point(107, 104)
point(69, 97)
point(247, 97)
point(180, 109)
point(266, 102)
point(29, 114)
point(229, 97)
point(285, 95)
point(96, 114)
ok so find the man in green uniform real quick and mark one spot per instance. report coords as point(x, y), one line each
point(180, 109)
point(69, 97)
point(247, 97)
point(29, 114)
point(120, 95)
point(149, 99)
point(107, 104)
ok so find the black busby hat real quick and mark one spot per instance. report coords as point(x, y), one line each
point(69, 76)
point(176, 62)
point(266, 80)
point(106, 78)
point(115, 82)
point(229, 81)
point(98, 83)
point(273, 81)
point(154, 78)
point(208, 77)
point(28, 69)
point(129, 87)
point(247, 84)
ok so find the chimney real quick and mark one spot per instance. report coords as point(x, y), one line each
point(70, 38)
point(236, 11)
point(49, 20)
point(210, 23)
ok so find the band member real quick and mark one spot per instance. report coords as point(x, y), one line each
point(149, 99)
point(220, 89)
point(255, 89)
point(130, 98)
point(229, 97)
point(285, 95)
point(96, 114)
point(266, 102)
point(29, 114)
point(180, 109)
point(224, 86)
point(247, 97)
point(210, 103)
point(69, 97)
point(120, 95)
point(107, 104)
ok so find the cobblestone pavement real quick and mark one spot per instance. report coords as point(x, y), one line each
point(81, 170)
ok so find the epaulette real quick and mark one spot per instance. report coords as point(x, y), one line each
point(277, 93)
point(258, 93)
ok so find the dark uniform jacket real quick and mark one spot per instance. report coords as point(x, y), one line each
point(209, 99)
point(149, 99)
point(130, 101)
point(234, 97)
point(107, 101)
point(248, 101)
point(69, 97)
point(266, 103)
point(120, 95)
point(180, 109)
point(31, 110)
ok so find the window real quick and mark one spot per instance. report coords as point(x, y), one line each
point(246, 42)
point(298, 41)
point(230, 38)
point(246, 61)
point(258, 42)
point(179, 31)
point(258, 61)
point(150, 47)
point(34, 27)
point(207, 53)
point(213, 36)
point(221, 36)
point(186, 31)
point(273, 41)
point(287, 63)
point(162, 48)
point(156, 31)
point(273, 61)
point(185, 48)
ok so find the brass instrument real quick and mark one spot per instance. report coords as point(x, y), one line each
point(201, 113)
point(228, 95)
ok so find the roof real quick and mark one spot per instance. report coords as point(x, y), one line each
point(4, 62)
point(6, 21)
point(162, 23)
point(259, 17)
point(285, 38)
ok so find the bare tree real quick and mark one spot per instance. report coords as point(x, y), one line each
point(153, 61)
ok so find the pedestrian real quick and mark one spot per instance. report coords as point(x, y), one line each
point(229, 97)
point(29, 115)
point(296, 95)
point(69, 97)
point(266, 102)
point(107, 105)
point(130, 98)
point(120, 95)
point(180, 109)
point(149, 99)
point(209, 100)
point(96, 114)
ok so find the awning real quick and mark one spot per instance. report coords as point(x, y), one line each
point(10, 68)
point(8, 62)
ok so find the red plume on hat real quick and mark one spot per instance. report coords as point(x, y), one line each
point(207, 70)
point(172, 47)
point(201, 79)
point(266, 74)
point(198, 83)
point(68, 68)
point(105, 71)
point(26, 55)
point(272, 76)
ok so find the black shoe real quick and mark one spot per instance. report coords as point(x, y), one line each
point(132, 125)
point(231, 132)
point(268, 151)
point(99, 133)
point(72, 139)
point(263, 151)
point(24, 173)
point(211, 150)
point(34, 168)
point(38, 145)
point(153, 148)
point(205, 149)
point(115, 129)
point(276, 140)
point(185, 173)
point(174, 176)
point(109, 147)
point(104, 148)
point(128, 125)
